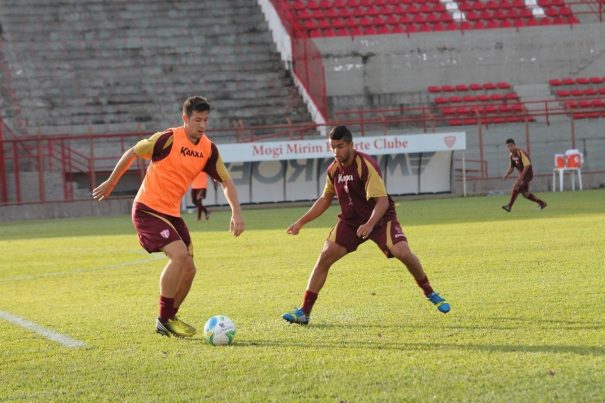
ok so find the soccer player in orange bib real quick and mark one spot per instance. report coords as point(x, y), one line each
point(177, 156)
point(366, 212)
point(520, 160)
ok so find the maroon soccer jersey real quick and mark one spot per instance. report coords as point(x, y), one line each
point(356, 186)
point(519, 159)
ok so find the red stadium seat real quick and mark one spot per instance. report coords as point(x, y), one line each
point(554, 82)
point(398, 29)
point(342, 32)
point(597, 103)
point(384, 29)
point(492, 24)
point(315, 33)
point(356, 31)
point(568, 81)
point(299, 5)
point(370, 30)
point(312, 4)
point(392, 19)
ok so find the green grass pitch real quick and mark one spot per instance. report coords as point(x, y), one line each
point(526, 289)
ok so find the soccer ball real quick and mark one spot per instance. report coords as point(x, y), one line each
point(219, 330)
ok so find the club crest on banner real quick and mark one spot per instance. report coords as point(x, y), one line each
point(449, 141)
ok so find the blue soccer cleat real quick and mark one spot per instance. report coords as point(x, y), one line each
point(297, 316)
point(440, 302)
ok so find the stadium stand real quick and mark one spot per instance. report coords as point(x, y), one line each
point(488, 103)
point(330, 18)
point(582, 97)
point(117, 66)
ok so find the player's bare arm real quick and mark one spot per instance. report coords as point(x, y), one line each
point(103, 191)
point(381, 206)
point(318, 208)
point(236, 225)
point(508, 172)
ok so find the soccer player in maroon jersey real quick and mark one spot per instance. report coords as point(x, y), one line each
point(520, 160)
point(367, 212)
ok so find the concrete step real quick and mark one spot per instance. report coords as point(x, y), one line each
point(108, 64)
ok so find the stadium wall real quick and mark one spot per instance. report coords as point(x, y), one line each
point(388, 70)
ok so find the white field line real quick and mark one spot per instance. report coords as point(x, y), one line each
point(49, 334)
point(65, 273)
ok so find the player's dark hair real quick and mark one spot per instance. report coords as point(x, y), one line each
point(195, 104)
point(510, 141)
point(341, 133)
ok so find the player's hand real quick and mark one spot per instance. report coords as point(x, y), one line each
point(102, 191)
point(294, 229)
point(236, 226)
point(505, 177)
point(364, 230)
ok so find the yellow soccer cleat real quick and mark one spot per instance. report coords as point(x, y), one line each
point(174, 327)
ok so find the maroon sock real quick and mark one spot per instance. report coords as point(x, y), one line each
point(513, 197)
point(425, 284)
point(308, 301)
point(167, 309)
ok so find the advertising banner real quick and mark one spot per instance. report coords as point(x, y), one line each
point(295, 170)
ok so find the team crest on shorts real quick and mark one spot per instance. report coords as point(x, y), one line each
point(165, 233)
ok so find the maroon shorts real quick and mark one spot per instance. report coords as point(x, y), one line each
point(524, 183)
point(385, 235)
point(157, 230)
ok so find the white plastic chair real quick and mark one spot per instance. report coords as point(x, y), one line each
point(571, 161)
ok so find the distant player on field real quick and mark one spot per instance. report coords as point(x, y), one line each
point(520, 160)
point(177, 156)
point(367, 212)
point(198, 194)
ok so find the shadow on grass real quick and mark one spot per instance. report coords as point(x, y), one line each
point(377, 344)
point(527, 323)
